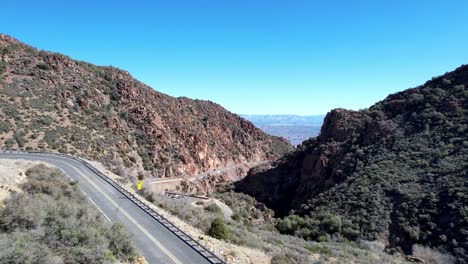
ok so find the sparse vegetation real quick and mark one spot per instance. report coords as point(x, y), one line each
point(433, 256)
point(52, 222)
point(252, 225)
point(103, 114)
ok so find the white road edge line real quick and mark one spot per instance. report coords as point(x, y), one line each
point(72, 180)
point(144, 231)
point(102, 212)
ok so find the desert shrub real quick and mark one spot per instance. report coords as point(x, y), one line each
point(5, 127)
point(10, 111)
point(213, 208)
point(149, 196)
point(2, 66)
point(120, 243)
point(46, 121)
point(120, 169)
point(318, 227)
point(236, 216)
point(320, 249)
point(43, 66)
point(432, 256)
point(51, 138)
point(246, 209)
point(21, 247)
point(9, 143)
point(195, 216)
point(13, 90)
point(52, 222)
point(289, 258)
point(218, 229)
point(19, 137)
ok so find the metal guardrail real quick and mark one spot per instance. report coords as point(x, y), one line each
point(188, 195)
point(191, 242)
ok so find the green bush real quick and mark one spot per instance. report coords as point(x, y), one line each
point(9, 143)
point(19, 137)
point(236, 217)
point(218, 229)
point(319, 249)
point(214, 208)
point(43, 66)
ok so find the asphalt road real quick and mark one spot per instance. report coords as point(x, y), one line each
point(153, 241)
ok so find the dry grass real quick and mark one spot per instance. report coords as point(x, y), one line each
point(432, 256)
point(12, 174)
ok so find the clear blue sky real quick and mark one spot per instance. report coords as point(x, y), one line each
point(256, 56)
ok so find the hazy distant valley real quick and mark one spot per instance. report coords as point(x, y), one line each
point(294, 128)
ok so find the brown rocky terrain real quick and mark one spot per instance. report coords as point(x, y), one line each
point(49, 101)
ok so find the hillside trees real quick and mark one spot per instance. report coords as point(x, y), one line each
point(397, 170)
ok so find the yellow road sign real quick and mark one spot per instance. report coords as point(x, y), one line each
point(140, 185)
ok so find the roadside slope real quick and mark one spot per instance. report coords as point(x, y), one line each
point(48, 220)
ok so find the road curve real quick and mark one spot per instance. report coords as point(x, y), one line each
point(152, 239)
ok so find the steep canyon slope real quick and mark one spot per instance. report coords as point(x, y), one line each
point(49, 101)
point(396, 172)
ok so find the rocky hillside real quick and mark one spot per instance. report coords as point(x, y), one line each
point(51, 102)
point(396, 172)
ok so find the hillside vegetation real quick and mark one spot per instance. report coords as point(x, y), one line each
point(396, 172)
point(51, 102)
point(50, 221)
point(250, 229)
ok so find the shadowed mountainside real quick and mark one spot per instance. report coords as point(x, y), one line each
point(396, 172)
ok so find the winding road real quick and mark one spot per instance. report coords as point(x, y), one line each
point(155, 239)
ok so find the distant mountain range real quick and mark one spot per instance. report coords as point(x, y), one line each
point(294, 128)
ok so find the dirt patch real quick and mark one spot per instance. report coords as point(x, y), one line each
point(227, 211)
point(12, 174)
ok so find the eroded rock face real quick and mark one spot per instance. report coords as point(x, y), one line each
point(103, 113)
point(309, 171)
